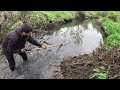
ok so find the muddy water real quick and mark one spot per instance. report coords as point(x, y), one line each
point(76, 39)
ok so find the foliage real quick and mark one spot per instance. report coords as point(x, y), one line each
point(95, 14)
point(113, 40)
point(110, 26)
point(90, 14)
point(37, 19)
point(57, 15)
point(114, 16)
point(99, 73)
point(15, 25)
point(41, 18)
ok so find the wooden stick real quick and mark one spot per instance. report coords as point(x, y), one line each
point(35, 49)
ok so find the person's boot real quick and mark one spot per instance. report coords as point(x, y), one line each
point(25, 59)
point(12, 68)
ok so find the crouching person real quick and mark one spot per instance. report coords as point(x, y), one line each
point(15, 41)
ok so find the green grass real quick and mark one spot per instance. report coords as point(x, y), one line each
point(100, 73)
point(37, 19)
point(114, 16)
point(94, 14)
point(111, 27)
point(111, 24)
point(41, 18)
point(113, 40)
point(58, 15)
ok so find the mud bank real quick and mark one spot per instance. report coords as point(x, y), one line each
point(81, 67)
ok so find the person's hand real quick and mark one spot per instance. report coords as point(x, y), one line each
point(44, 46)
point(23, 50)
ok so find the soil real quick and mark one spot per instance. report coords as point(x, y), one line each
point(80, 67)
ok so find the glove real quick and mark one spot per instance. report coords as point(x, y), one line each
point(23, 50)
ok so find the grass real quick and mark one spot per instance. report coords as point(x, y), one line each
point(113, 40)
point(42, 18)
point(111, 27)
point(111, 24)
point(58, 15)
point(100, 73)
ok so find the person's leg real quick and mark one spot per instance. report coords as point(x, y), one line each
point(24, 56)
point(11, 61)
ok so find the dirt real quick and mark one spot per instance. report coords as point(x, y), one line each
point(80, 67)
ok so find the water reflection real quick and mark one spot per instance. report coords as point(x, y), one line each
point(82, 39)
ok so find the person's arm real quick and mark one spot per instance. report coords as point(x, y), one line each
point(34, 42)
point(11, 46)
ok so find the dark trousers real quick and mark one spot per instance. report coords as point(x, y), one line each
point(11, 60)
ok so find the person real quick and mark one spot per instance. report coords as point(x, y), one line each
point(15, 41)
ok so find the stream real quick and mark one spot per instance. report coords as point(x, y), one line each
point(77, 38)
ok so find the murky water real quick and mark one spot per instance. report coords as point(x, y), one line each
point(77, 39)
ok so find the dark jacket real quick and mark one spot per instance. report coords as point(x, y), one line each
point(14, 42)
